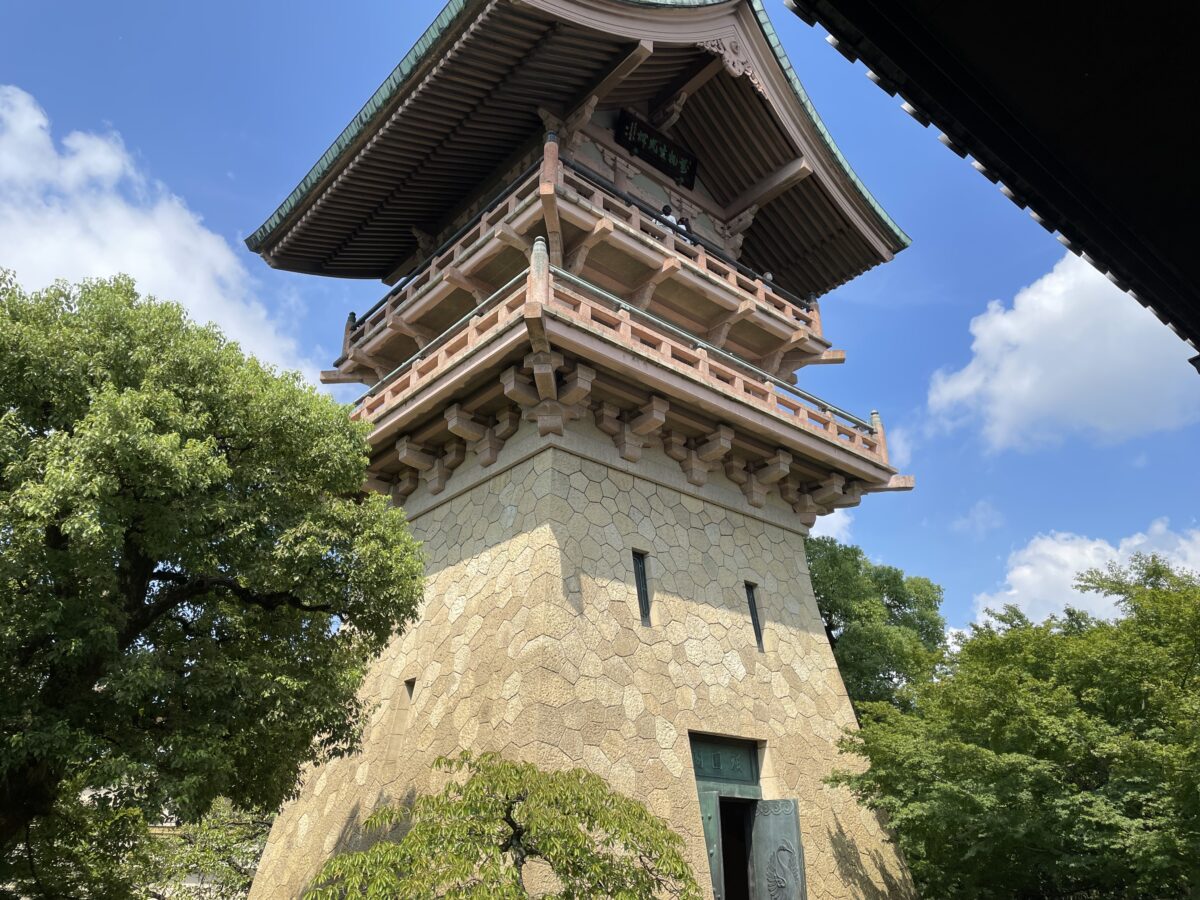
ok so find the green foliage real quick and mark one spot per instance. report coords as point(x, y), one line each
point(885, 627)
point(91, 847)
point(477, 837)
point(1055, 759)
point(213, 859)
point(191, 583)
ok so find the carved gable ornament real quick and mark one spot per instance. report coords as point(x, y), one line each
point(736, 59)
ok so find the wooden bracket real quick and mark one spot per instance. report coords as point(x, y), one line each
point(460, 279)
point(578, 257)
point(578, 385)
point(698, 456)
point(544, 366)
point(487, 447)
point(552, 416)
point(767, 189)
point(403, 486)
point(413, 455)
point(463, 424)
point(776, 468)
point(451, 458)
point(829, 490)
point(425, 240)
point(630, 434)
point(644, 292)
point(420, 334)
point(668, 114)
point(719, 332)
point(508, 235)
point(716, 445)
point(518, 388)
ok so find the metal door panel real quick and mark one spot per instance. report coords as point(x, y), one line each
point(710, 815)
point(776, 853)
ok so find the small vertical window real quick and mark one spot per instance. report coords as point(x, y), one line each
point(752, 602)
point(410, 688)
point(643, 591)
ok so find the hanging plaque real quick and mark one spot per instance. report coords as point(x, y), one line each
point(659, 151)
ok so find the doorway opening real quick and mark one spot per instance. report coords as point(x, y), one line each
point(737, 818)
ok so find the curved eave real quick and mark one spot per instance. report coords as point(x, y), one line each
point(449, 20)
point(764, 22)
point(455, 22)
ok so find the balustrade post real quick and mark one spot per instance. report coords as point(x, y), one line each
point(550, 163)
point(537, 285)
point(880, 438)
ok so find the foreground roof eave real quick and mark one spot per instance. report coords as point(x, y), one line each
point(924, 61)
point(453, 15)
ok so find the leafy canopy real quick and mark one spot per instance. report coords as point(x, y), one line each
point(477, 837)
point(191, 582)
point(1055, 759)
point(212, 859)
point(885, 627)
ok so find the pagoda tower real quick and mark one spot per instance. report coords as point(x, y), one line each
point(605, 225)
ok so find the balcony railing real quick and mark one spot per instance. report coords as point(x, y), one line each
point(513, 211)
point(644, 222)
point(586, 306)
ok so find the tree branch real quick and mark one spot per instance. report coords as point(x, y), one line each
point(190, 586)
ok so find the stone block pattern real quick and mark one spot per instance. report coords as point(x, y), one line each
point(531, 644)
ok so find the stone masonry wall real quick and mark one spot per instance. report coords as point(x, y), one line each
point(531, 644)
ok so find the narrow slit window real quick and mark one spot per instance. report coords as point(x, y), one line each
point(752, 602)
point(643, 590)
point(410, 688)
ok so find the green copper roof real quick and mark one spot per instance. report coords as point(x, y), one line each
point(450, 14)
point(384, 93)
point(764, 22)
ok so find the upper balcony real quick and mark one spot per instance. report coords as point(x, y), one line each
point(608, 237)
point(574, 315)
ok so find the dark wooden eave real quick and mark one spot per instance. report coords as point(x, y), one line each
point(1079, 112)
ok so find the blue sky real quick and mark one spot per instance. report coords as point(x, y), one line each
point(1055, 429)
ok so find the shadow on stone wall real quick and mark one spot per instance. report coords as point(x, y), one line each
point(855, 869)
point(352, 837)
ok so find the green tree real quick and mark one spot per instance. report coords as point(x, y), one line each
point(477, 837)
point(1059, 759)
point(885, 627)
point(213, 859)
point(191, 581)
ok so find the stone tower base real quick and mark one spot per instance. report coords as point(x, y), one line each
point(531, 643)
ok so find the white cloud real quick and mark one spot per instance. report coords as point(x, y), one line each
point(1072, 354)
point(83, 208)
point(1040, 574)
point(978, 520)
point(900, 447)
point(836, 525)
